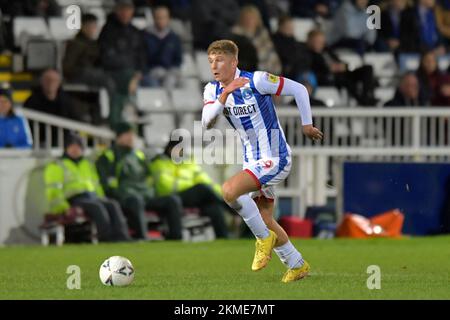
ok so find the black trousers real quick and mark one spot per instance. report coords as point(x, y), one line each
point(210, 205)
point(106, 214)
point(169, 209)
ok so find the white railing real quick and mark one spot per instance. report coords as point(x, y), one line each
point(388, 134)
point(55, 127)
point(372, 128)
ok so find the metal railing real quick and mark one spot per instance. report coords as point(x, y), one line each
point(54, 129)
point(389, 134)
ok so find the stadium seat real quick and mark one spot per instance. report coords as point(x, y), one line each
point(408, 62)
point(40, 54)
point(302, 27)
point(187, 100)
point(191, 84)
point(384, 65)
point(158, 129)
point(384, 94)
point(182, 29)
point(353, 60)
point(72, 224)
point(140, 22)
point(24, 27)
point(153, 100)
point(59, 30)
point(188, 67)
point(203, 68)
point(329, 95)
point(444, 62)
point(195, 227)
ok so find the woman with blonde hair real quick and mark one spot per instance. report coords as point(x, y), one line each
point(250, 25)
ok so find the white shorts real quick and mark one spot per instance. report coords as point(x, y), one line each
point(268, 172)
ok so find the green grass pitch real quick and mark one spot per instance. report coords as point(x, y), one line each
point(411, 268)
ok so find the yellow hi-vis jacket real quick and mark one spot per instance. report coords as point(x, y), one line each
point(66, 178)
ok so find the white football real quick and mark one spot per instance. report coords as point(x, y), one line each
point(116, 271)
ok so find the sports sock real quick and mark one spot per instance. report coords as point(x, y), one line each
point(289, 255)
point(250, 213)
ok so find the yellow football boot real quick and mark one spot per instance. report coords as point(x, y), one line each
point(297, 273)
point(263, 251)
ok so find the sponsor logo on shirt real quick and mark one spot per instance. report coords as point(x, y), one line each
point(247, 93)
point(272, 78)
point(240, 110)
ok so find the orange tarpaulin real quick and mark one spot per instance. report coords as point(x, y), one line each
point(387, 224)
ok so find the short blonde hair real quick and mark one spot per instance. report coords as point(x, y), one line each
point(223, 46)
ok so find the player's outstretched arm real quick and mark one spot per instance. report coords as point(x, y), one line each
point(267, 83)
point(213, 107)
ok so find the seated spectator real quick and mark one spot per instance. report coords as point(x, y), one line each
point(14, 128)
point(73, 181)
point(122, 55)
point(314, 8)
point(210, 21)
point(124, 175)
point(442, 13)
point(408, 93)
point(349, 27)
point(418, 29)
point(81, 62)
point(50, 98)
point(431, 79)
point(389, 35)
point(250, 25)
point(330, 71)
point(164, 51)
point(192, 185)
point(294, 55)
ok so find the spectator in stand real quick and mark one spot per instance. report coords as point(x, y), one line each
point(122, 55)
point(389, 35)
point(72, 181)
point(179, 9)
point(164, 51)
point(124, 174)
point(250, 25)
point(294, 55)
point(349, 27)
point(212, 20)
point(314, 8)
point(14, 128)
point(408, 93)
point(263, 8)
point(331, 71)
point(50, 98)
point(442, 13)
point(190, 183)
point(418, 29)
point(81, 62)
point(431, 79)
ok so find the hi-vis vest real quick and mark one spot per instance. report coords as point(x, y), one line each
point(113, 181)
point(65, 178)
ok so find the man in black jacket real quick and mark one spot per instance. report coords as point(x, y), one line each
point(408, 93)
point(293, 54)
point(331, 71)
point(122, 54)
